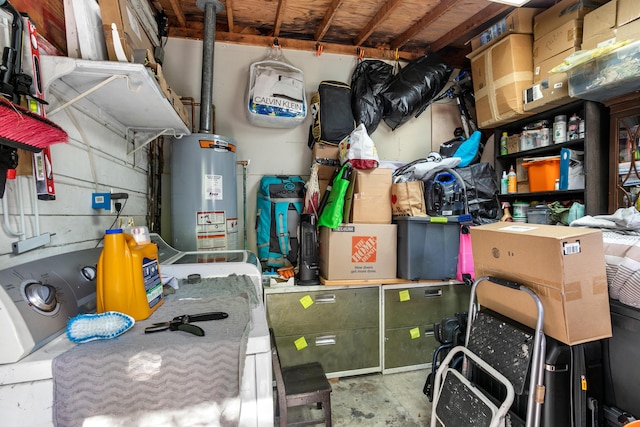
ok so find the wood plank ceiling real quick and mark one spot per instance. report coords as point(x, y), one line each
point(385, 29)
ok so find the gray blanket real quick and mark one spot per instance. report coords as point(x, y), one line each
point(170, 378)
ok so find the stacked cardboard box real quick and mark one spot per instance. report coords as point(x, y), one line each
point(520, 21)
point(364, 246)
point(557, 33)
point(500, 74)
point(617, 20)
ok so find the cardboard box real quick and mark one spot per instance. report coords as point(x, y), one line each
point(520, 21)
point(561, 13)
point(563, 38)
point(549, 93)
point(325, 174)
point(601, 20)
point(629, 31)
point(628, 11)
point(371, 202)
point(541, 69)
point(513, 144)
point(564, 266)
point(500, 73)
point(326, 154)
point(130, 31)
point(358, 252)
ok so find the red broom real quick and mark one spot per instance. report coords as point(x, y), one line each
point(20, 128)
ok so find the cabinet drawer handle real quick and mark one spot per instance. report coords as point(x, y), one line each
point(326, 299)
point(430, 293)
point(326, 340)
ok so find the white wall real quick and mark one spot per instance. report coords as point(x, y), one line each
point(94, 160)
point(274, 151)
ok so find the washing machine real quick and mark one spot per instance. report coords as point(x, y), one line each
point(26, 385)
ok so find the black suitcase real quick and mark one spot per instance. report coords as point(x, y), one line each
point(573, 379)
point(622, 352)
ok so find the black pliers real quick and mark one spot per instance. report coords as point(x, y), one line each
point(183, 323)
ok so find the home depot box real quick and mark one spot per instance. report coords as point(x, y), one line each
point(561, 13)
point(565, 37)
point(358, 252)
point(130, 33)
point(500, 74)
point(564, 266)
point(371, 203)
point(520, 21)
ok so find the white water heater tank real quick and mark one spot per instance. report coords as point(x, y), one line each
point(204, 202)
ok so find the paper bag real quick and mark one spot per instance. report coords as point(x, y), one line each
point(407, 199)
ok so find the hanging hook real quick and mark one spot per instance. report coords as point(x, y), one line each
point(360, 53)
point(275, 43)
point(319, 49)
point(397, 55)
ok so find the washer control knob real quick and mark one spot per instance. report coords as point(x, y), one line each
point(89, 273)
point(41, 296)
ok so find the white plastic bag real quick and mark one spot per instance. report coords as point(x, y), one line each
point(359, 149)
point(276, 96)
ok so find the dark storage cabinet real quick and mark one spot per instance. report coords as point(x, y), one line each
point(596, 155)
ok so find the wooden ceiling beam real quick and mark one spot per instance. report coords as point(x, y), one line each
point(328, 17)
point(308, 45)
point(387, 8)
point(229, 9)
point(431, 16)
point(478, 20)
point(278, 21)
point(177, 10)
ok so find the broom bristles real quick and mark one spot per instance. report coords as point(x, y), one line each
point(20, 128)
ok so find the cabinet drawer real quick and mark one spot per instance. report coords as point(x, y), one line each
point(423, 304)
point(330, 310)
point(336, 351)
point(401, 349)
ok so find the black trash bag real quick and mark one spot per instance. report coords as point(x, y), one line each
point(410, 91)
point(367, 82)
point(482, 192)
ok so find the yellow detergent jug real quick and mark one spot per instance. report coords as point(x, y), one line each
point(128, 276)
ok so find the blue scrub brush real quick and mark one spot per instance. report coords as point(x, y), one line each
point(102, 326)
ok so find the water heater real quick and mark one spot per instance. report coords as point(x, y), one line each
point(204, 206)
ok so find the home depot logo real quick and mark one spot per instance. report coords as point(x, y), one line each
point(364, 249)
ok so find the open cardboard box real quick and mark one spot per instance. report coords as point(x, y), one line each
point(564, 266)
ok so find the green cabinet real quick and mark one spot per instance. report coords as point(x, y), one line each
point(355, 330)
point(409, 315)
point(336, 326)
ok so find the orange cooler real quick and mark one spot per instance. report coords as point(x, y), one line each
point(128, 276)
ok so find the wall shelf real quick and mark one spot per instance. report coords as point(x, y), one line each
point(124, 96)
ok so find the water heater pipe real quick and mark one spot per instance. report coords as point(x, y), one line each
point(210, 8)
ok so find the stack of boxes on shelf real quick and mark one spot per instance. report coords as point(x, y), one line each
point(613, 73)
point(131, 35)
point(511, 76)
point(364, 246)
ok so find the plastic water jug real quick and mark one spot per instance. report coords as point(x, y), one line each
point(128, 276)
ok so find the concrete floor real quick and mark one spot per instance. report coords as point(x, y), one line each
point(375, 400)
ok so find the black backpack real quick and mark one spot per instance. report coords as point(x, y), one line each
point(332, 118)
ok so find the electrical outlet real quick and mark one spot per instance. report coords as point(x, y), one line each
point(112, 205)
point(101, 200)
